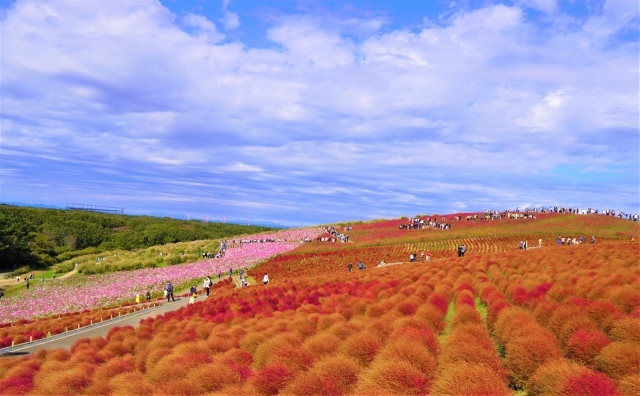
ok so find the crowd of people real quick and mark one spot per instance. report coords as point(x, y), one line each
point(530, 213)
point(334, 235)
point(221, 251)
point(416, 223)
point(573, 241)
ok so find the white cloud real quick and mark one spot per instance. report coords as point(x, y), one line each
point(231, 20)
point(322, 113)
point(240, 167)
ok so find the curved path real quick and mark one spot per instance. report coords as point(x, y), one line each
point(96, 331)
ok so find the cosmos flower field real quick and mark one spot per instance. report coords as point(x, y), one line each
point(95, 291)
point(559, 320)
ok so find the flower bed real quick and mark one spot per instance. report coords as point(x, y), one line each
point(81, 293)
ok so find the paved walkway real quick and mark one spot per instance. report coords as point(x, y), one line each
point(129, 320)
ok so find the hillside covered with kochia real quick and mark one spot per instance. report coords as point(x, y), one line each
point(549, 320)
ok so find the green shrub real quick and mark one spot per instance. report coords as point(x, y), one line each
point(22, 270)
point(173, 260)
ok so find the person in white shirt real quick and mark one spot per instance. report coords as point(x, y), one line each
point(207, 284)
point(265, 279)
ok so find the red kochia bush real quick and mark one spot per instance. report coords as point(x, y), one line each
point(389, 377)
point(585, 345)
point(556, 377)
point(334, 375)
point(361, 346)
point(589, 383)
point(527, 345)
point(272, 377)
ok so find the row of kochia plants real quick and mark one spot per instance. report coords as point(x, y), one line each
point(80, 293)
point(554, 321)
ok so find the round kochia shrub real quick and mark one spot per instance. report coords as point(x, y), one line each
point(471, 344)
point(386, 376)
point(334, 375)
point(527, 345)
point(585, 345)
point(272, 377)
point(564, 377)
point(619, 359)
point(626, 330)
point(469, 379)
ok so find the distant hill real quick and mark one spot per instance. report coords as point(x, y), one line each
point(41, 236)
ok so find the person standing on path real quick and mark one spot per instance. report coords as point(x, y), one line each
point(193, 292)
point(169, 289)
point(219, 273)
point(230, 272)
point(350, 267)
point(207, 284)
point(265, 279)
point(26, 282)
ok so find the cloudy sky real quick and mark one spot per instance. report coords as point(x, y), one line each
point(302, 112)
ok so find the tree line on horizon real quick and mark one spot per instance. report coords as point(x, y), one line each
point(38, 237)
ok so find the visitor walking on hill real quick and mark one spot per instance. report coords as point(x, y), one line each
point(540, 242)
point(148, 295)
point(428, 256)
point(26, 282)
point(219, 273)
point(230, 272)
point(265, 279)
point(350, 267)
point(361, 266)
point(207, 284)
point(421, 256)
point(169, 289)
point(193, 292)
point(593, 239)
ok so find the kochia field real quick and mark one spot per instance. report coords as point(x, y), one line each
point(559, 320)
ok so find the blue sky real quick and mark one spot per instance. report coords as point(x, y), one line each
point(306, 112)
